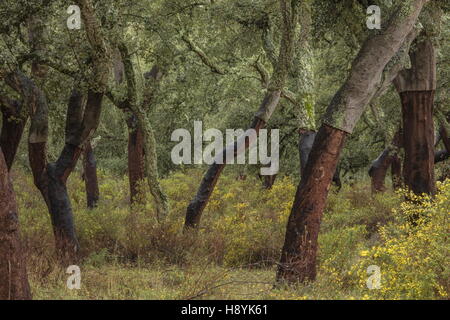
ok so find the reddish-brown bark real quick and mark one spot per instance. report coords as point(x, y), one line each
point(378, 174)
point(13, 274)
point(136, 162)
point(418, 126)
point(416, 87)
point(298, 257)
point(90, 176)
point(396, 172)
point(13, 124)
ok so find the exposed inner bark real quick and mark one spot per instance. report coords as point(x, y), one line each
point(136, 163)
point(90, 176)
point(298, 258)
point(13, 274)
point(416, 87)
point(378, 171)
point(418, 126)
point(13, 124)
point(306, 142)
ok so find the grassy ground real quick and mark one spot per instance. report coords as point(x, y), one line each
point(127, 255)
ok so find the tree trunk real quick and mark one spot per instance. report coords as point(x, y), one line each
point(445, 137)
point(79, 126)
point(152, 80)
point(209, 181)
point(418, 172)
point(306, 142)
point(290, 12)
point(441, 155)
point(298, 259)
point(416, 87)
point(269, 181)
point(396, 172)
point(136, 162)
point(60, 208)
point(13, 274)
point(378, 171)
point(380, 166)
point(13, 124)
point(90, 176)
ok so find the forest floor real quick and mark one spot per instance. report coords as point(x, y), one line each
point(126, 254)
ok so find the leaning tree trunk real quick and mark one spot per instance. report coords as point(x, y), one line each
point(13, 274)
point(299, 252)
point(416, 87)
point(209, 181)
point(298, 257)
point(289, 12)
point(136, 161)
point(79, 127)
point(305, 144)
point(90, 176)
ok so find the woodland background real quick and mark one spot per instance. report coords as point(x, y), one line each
point(87, 117)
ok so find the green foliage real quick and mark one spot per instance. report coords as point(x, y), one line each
point(128, 255)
